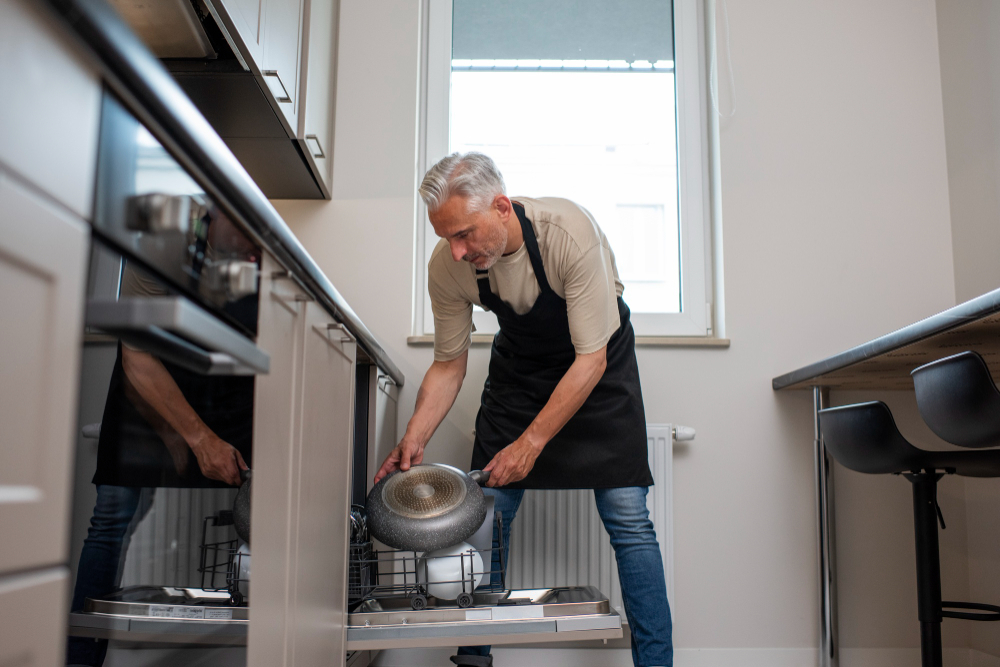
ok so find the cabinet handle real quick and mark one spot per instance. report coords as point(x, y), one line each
point(275, 85)
point(345, 334)
point(315, 147)
point(177, 330)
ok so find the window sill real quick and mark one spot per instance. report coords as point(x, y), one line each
point(640, 341)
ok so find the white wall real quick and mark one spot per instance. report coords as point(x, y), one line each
point(836, 230)
point(969, 40)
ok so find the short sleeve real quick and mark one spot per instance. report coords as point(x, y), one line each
point(452, 312)
point(591, 299)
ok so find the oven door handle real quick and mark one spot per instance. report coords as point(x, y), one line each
point(175, 329)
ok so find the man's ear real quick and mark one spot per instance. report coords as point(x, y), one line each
point(503, 206)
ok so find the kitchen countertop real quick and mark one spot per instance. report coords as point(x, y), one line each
point(150, 92)
point(886, 362)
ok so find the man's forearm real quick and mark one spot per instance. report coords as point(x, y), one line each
point(437, 394)
point(569, 395)
point(156, 386)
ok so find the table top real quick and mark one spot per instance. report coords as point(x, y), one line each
point(886, 362)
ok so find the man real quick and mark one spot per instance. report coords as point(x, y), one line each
point(562, 406)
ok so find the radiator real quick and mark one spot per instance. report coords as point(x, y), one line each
point(557, 538)
point(164, 549)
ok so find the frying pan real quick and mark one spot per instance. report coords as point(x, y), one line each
point(429, 506)
point(241, 507)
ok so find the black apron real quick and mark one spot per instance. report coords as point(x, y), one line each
point(132, 452)
point(604, 444)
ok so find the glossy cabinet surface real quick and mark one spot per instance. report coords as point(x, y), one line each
point(43, 254)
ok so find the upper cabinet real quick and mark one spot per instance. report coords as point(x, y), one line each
point(283, 55)
point(267, 86)
point(318, 86)
point(244, 21)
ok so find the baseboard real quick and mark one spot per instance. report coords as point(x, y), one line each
point(907, 657)
point(611, 657)
point(688, 657)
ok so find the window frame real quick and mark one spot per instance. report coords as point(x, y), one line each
point(694, 183)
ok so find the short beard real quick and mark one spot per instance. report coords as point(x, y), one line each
point(493, 249)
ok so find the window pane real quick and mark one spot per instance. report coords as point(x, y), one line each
point(604, 138)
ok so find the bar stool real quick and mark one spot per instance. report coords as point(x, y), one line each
point(958, 399)
point(864, 438)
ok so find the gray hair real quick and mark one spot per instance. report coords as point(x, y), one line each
point(471, 175)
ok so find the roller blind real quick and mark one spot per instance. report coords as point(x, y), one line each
point(563, 30)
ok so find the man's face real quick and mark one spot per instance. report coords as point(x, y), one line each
point(478, 238)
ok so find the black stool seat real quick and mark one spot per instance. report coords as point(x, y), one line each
point(864, 438)
point(959, 400)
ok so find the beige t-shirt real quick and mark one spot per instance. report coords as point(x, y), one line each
point(579, 265)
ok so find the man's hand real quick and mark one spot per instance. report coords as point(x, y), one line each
point(512, 463)
point(218, 459)
point(407, 453)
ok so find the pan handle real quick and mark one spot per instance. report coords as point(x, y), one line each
point(480, 477)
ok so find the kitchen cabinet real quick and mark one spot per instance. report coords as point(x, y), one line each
point(382, 423)
point(32, 618)
point(303, 430)
point(282, 55)
point(281, 329)
point(318, 84)
point(319, 555)
point(243, 22)
point(289, 46)
point(43, 259)
point(42, 77)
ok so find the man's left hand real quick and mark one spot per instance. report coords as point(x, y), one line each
point(512, 463)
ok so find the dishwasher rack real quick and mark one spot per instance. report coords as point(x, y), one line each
point(391, 573)
point(224, 565)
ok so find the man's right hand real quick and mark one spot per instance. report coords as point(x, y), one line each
point(407, 453)
point(219, 460)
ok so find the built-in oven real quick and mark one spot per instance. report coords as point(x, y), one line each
point(166, 407)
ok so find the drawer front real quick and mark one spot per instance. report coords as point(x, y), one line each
point(33, 618)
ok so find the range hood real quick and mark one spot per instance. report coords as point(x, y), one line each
point(192, 40)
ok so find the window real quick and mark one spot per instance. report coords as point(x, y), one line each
point(598, 101)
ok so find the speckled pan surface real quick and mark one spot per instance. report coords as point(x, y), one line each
point(427, 507)
point(241, 508)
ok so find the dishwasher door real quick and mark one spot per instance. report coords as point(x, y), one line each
point(524, 616)
point(196, 617)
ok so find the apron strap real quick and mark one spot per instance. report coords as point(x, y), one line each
point(486, 295)
point(531, 243)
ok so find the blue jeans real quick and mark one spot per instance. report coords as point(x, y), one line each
point(117, 512)
point(640, 569)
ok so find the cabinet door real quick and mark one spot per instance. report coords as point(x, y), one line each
point(319, 554)
point(243, 21)
point(318, 76)
point(281, 326)
point(382, 424)
point(43, 253)
point(51, 107)
point(282, 56)
point(33, 618)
